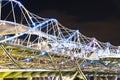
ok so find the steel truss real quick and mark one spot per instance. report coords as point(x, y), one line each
point(28, 41)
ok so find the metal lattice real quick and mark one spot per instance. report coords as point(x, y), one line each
point(28, 41)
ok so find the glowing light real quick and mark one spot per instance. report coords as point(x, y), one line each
point(42, 53)
point(33, 24)
point(45, 22)
point(106, 63)
point(27, 59)
point(91, 62)
point(72, 35)
point(108, 44)
point(3, 24)
point(83, 65)
point(49, 78)
point(19, 4)
point(30, 17)
point(72, 58)
point(118, 50)
point(62, 63)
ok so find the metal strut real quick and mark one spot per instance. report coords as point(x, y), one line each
point(8, 54)
point(79, 70)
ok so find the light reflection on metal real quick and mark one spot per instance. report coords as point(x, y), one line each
point(48, 45)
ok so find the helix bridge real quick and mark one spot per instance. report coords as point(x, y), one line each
point(32, 47)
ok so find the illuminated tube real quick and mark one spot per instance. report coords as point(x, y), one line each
point(72, 35)
point(35, 27)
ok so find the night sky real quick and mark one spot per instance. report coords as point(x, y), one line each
point(94, 18)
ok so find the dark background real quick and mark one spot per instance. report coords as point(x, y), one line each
point(94, 18)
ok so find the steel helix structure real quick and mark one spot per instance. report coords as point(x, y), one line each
point(28, 41)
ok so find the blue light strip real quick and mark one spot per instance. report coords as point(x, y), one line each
point(28, 30)
point(72, 35)
point(39, 25)
point(45, 22)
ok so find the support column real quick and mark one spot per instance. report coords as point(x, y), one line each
point(57, 78)
point(52, 78)
point(95, 76)
point(29, 78)
point(116, 77)
point(106, 78)
point(79, 70)
point(44, 78)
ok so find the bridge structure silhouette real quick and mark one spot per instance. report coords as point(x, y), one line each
point(33, 47)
